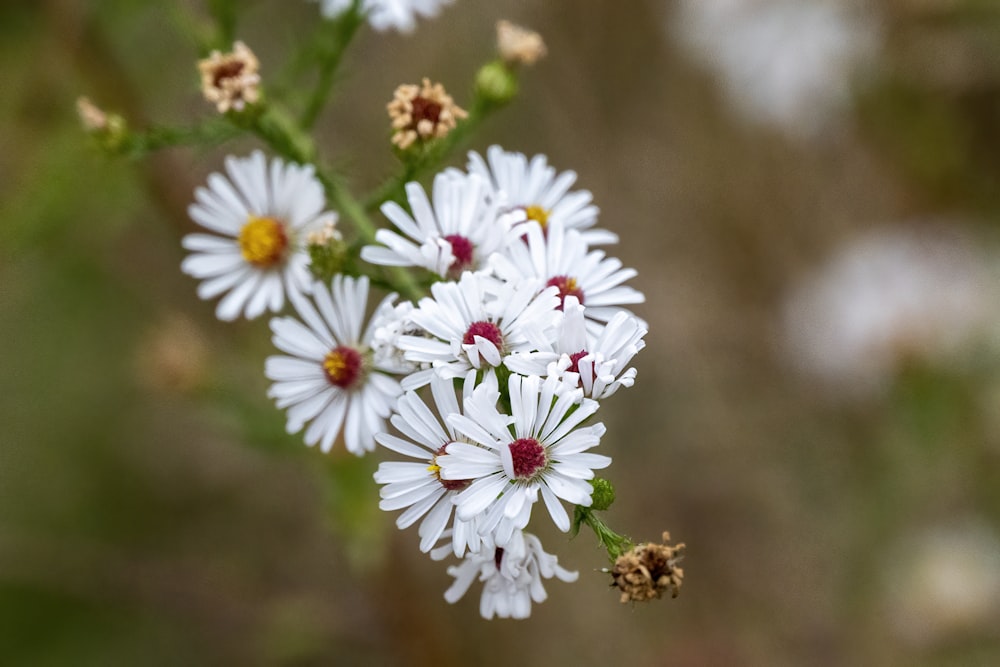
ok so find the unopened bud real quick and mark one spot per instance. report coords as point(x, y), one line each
point(496, 83)
point(603, 495)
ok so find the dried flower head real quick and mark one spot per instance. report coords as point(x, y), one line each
point(647, 570)
point(421, 113)
point(517, 45)
point(324, 235)
point(230, 80)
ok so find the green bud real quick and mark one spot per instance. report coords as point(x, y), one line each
point(327, 257)
point(604, 494)
point(496, 83)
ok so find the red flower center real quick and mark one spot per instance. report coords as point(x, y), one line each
point(528, 455)
point(574, 361)
point(567, 287)
point(487, 330)
point(343, 366)
point(448, 484)
point(462, 249)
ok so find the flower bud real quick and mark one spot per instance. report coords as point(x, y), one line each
point(496, 83)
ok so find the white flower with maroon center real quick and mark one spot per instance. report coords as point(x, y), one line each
point(399, 15)
point(539, 449)
point(417, 485)
point(512, 576)
point(534, 187)
point(261, 215)
point(595, 364)
point(330, 379)
point(561, 258)
point(474, 323)
point(458, 233)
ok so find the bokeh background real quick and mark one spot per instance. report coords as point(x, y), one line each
point(809, 191)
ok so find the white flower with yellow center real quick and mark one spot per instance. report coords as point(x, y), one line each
point(261, 215)
point(400, 15)
point(329, 377)
point(544, 196)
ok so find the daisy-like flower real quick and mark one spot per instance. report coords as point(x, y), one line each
point(261, 215)
point(595, 364)
point(512, 576)
point(329, 377)
point(457, 233)
point(230, 80)
point(418, 485)
point(544, 454)
point(561, 258)
point(535, 188)
point(400, 15)
point(422, 113)
point(474, 323)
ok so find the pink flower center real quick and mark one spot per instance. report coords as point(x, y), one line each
point(483, 329)
point(567, 287)
point(462, 249)
point(574, 361)
point(343, 367)
point(528, 455)
point(448, 484)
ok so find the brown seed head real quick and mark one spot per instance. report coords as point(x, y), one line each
point(422, 113)
point(230, 80)
point(648, 570)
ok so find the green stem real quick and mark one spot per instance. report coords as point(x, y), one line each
point(224, 12)
point(335, 36)
point(613, 543)
point(211, 132)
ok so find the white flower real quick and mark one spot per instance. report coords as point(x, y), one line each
point(475, 322)
point(400, 15)
point(389, 323)
point(262, 215)
point(458, 233)
point(535, 188)
point(595, 364)
point(544, 454)
point(886, 299)
point(512, 576)
point(418, 486)
point(560, 258)
point(788, 63)
point(330, 378)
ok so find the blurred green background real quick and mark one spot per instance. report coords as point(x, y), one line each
point(154, 512)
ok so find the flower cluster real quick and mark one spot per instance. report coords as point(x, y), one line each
point(482, 384)
point(522, 335)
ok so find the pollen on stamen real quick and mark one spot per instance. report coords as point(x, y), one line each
point(448, 484)
point(263, 241)
point(343, 367)
point(483, 329)
point(568, 286)
point(528, 456)
point(538, 214)
point(463, 249)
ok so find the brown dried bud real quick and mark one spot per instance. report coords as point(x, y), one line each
point(422, 113)
point(647, 570)
point(517, 45)
point(230, 80)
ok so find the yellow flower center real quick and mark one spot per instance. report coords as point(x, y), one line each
point(263, 241)
point(538, 214)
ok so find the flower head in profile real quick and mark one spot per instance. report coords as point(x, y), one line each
point(260, 215)
point(399, 15)
point(517, 45)
point(326, 375)
point(230, 80)
point(596, 364)
point(512, 576)
point(539, 449)
point(418, 485)
point(455, 231)
point(560, 258)
point(535, 188)
point(474, 323)
point(421, 113)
